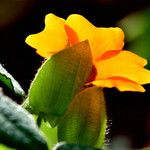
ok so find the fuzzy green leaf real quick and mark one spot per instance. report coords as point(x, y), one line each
point(85, 120)
point(59, 79)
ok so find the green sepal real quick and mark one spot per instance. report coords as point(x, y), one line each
point(50, 134)
point(85, 120)
point(17, 127)
point(58, 80)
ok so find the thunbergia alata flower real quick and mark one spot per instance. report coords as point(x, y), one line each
point(112, 66)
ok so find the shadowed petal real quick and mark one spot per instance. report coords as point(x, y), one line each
point(122, 84)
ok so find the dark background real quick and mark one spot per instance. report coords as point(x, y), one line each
point(128, 112)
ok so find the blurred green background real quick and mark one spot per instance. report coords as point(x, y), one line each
point(129, 113)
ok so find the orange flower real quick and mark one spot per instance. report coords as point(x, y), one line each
point(113, 66)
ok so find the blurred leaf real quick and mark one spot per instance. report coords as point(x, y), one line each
point(85, 120)
point(137, 33)
point(65, 146)
point(10, 83)
point(3, 147)
point(59, 79)
point(134, 25)
point(17, 127)
point(148, 148)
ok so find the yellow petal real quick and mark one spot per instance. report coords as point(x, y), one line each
point(125, 65)
point(126, 55)
point(107, 39)
point(82, 27)
point(100, 39)
point(121, 84)
point(52, 39)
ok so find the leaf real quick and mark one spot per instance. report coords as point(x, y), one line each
point(148, 148)
point(66, 146)
point(137, 30)
point(4, 147)
point(85, 120)
point(10, 83)
point(59, 79)
point(17, 127)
